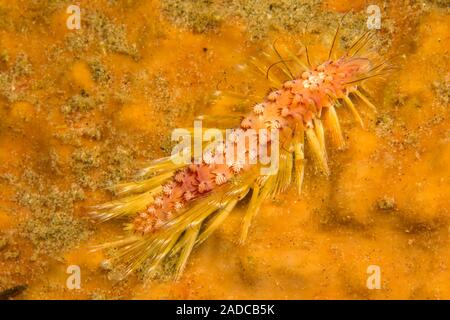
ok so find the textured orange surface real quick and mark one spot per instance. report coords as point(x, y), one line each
point(318, 246)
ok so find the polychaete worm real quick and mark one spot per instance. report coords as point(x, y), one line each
point(174, 207)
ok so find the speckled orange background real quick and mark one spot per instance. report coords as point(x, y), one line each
point(386, 202)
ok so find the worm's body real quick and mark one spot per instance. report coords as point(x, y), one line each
point(178, 206)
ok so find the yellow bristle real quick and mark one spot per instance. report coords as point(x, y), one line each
point(297, 60)
point(299, 156)
point(334, 127)
point(262, 67)
point(123, 189)
point(353, 110)
point(125, 206)
point(318, 151)
point(252, 210)
point(366, 101)
point(216, 221)
point(320, 133)
point(190, 235)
